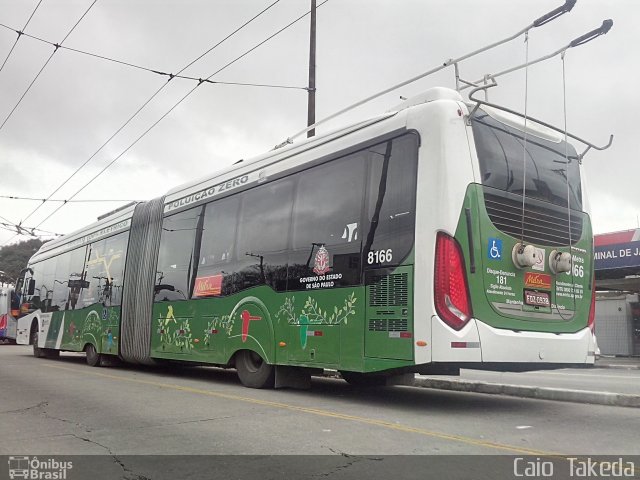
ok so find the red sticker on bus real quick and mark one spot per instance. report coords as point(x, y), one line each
point(208, 286)
point(537, 280)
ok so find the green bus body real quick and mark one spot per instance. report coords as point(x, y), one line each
point(311, 260)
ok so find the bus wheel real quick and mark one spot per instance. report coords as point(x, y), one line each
point(93, 357)
point(253, 371)
point(358, 379)
point(37, 351)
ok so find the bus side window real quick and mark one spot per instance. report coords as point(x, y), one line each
point(263, 233)
point(217, 247)
point(391, 201)
point(77, 276)
point(31, 292)
point(94, 273)
point(48, 283)
point(61, 282)
point(327, 222)
point(15, 300)
point(115, 251)
point(175, 257)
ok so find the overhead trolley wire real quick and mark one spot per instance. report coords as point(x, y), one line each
point(5, 219)
point(148, 69)
point(31, 231)
point(36, 77)
point(14, 197)
point(178, 103)
point(20, 33)
point(146, 102)
point(17, 227)
point(242, 84)
point(63, 47)
point(131, 118)
point(45, 64)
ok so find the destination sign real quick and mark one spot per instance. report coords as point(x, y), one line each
point(212, 191)
point(123, 225)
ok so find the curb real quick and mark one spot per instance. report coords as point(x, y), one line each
point(541, 393)
point(618, 366)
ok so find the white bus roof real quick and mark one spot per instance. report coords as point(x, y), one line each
point(120, 220)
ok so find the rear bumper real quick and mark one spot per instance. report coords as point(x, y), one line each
point(479, 342)
point(536, 347)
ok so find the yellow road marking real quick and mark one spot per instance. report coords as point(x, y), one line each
point(319, 412)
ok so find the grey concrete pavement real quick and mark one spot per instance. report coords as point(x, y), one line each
point(61, 407)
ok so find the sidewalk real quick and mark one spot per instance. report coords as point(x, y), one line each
point(629, 363)
point(620, 386)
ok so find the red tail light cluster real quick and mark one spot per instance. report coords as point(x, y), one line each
point(452, 300)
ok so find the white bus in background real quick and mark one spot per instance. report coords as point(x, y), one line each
point(8, 315)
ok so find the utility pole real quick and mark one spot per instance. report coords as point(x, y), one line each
point(311, 105)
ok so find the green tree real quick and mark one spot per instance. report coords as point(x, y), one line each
point(14, 258)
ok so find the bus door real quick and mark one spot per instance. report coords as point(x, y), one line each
point(28, 302)
point(8, 314)
point(4, 312)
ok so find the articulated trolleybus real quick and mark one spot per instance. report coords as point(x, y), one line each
point(422, 240)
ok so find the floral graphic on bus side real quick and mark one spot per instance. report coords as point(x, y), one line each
point(215, 324)
point(312, 314)
point(180, 333)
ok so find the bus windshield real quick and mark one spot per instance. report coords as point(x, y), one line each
point(552, 170)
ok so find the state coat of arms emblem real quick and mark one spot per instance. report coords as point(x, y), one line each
point(321, 263)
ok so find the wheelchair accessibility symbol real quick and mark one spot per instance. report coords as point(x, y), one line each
point(494, 249)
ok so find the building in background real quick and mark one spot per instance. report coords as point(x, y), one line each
point(617, 272)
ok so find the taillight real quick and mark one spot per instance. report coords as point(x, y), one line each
point(592, 309)
point(452, 300)
point(15, 312)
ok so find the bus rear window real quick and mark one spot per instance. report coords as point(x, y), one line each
point(552, 170)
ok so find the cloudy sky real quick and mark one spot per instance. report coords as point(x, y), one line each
point(364, 46)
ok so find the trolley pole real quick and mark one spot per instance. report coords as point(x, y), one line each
point(311, 104)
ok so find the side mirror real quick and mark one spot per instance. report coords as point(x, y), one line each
point(32, 287)
point(163, 286)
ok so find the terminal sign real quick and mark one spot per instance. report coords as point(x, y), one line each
point(619, 255)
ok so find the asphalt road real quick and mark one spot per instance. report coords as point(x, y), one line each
point(65, 407)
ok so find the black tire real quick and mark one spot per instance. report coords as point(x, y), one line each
point(37, 351)
point(358, 379)
point(253, 371)
point(94, 359)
